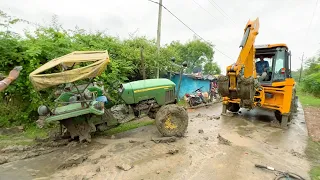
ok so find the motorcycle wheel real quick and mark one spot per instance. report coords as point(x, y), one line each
point(190, 102)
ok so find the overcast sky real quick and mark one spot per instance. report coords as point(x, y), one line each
point(281, 21)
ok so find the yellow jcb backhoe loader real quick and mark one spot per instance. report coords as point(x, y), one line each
point(261, 77)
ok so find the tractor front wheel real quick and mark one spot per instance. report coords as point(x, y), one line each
point(172, 120)
point(233, 107)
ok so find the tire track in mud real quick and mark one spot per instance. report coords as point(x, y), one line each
point(110, 162)
point(148, 154)
point(199, 156)
point(139, 155)
point(131, 156)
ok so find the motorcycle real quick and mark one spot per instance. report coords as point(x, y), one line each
point(196, 98)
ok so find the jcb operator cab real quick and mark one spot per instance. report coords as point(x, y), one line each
point(273, 63)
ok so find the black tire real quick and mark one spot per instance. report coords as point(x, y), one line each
point(152, 113)
point(190, 102)
point(293, 106)
point(136, 113)
point(172, 120)
point(233, 107)
point(293, 109)
point(278, 115)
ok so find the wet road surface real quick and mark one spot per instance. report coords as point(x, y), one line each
point(199, 155)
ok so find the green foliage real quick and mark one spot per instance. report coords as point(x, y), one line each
point(313, 66)
point(128, 126)
point(313, 154)
point(311, 77)
point(295, 75)
point(308, 99)
point(45, 43)
point(211, 68)
point(195, 53)
point(311, 84)
point(25, 138)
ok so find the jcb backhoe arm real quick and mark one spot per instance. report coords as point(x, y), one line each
point(239, 86)
point(246, 56)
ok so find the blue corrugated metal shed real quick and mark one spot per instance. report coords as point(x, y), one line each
point(190, 84)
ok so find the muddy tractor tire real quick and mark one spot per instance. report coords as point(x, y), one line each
point(172, 120)
point(233, 107)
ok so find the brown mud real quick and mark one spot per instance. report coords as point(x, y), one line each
point(133, 154)
point(312, 115)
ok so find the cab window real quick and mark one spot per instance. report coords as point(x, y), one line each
point(279, 68)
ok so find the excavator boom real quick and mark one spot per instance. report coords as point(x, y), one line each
point(240, 80)
point(246, 56)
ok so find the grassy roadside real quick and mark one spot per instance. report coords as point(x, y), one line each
point(27, 137)
point(313, 148)
point(128, 126)
point(308, 100)
point(313, 153)
point(24, 138)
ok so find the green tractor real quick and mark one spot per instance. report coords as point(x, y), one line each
point(82, 106)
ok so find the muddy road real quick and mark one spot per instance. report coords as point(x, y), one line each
point(199, 155)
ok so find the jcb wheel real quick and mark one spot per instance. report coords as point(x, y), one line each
point(233, 107)
point(172, 120)
point(278, 115)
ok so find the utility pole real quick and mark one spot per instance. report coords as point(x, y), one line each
point(301, 68)
point(158, 37)
point(143, 67)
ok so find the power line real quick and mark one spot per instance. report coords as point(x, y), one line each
point(191, 29)
point(314, 11)
point(216, 6)
point(205, 10)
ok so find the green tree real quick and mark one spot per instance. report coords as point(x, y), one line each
point(211, 68)
point(311, 76)
point(195, 53)
point(312, 65)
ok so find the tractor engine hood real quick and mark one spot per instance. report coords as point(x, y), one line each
point(136, 91)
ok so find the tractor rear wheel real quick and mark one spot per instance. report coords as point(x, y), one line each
point(172, 120)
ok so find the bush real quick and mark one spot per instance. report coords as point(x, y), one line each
point(311, 84)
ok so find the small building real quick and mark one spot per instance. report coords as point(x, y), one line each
point(190, 83)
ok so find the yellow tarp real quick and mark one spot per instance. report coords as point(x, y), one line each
point(99, 60)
